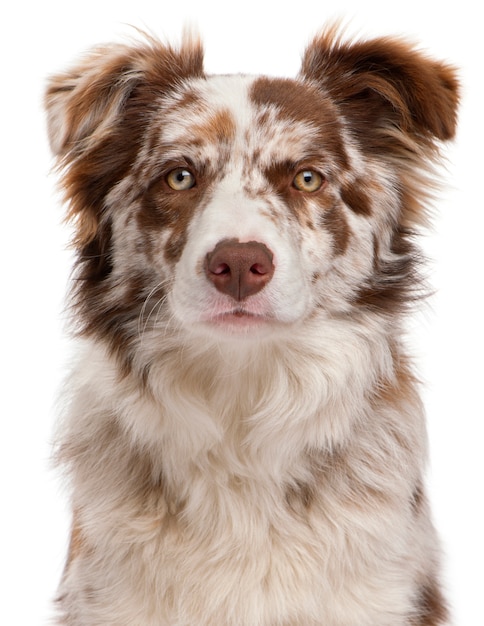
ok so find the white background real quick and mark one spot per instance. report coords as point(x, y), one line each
point(39, 38)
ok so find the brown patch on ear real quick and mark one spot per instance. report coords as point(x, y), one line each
point(385, 84)
point(83, 102)
point(97, 113)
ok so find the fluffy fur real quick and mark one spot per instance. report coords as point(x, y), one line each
point(244, 437)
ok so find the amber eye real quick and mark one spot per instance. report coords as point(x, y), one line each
point(308, 180)
point(180, 179)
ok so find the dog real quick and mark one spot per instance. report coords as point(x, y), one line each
point(243, 434)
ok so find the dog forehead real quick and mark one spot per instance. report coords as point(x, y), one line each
point(249, 111)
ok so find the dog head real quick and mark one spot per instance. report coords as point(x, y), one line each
point(240, 206)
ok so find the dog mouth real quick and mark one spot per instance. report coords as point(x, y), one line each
point(239, 318)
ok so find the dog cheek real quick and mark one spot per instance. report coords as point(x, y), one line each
point(174, 246)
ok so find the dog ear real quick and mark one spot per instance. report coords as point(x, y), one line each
point(97, 112)
point(83, 103)
point(385, 84)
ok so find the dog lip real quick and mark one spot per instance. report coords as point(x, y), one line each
point(239, 317)
point(239, 313)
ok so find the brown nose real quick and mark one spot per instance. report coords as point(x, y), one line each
point(238, 269)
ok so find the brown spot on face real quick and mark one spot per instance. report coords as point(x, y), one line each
point(330, 215)
point(280, 176)
point(189, 99)
point(163, 208)
point(255, 156)
point(174, 247)
point(356, 198)
point(334, 221)
point(303, 205)
point(300, 102)
point(218, 129)
point(267, 209)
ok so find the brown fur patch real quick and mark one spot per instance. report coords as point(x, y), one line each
point(395, 283)
point(330, 216)
point(385, 81)
point(103, 105)
point(162, 208)
point(431, 608)
point(280, 176)
point(356, 198)
point(417, 500)
point(302, 103)
point(218, 129)
point(397, 103)
point(300, 496)
point(334, 221)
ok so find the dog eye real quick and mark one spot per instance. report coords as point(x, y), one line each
point(308, 180)
point(180, 179)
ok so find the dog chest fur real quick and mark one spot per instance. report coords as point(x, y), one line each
point(222, 526)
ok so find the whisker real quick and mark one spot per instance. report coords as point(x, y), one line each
point(144, 321)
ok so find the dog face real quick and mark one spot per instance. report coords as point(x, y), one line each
point(239, 206)
point(242, 205)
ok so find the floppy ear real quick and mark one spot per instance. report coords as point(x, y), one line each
point(97, 112)
point(84, 102)
point(387, 84)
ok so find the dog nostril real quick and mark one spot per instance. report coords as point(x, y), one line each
point(258, 269)
point(238, 269)
point(223, 268)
